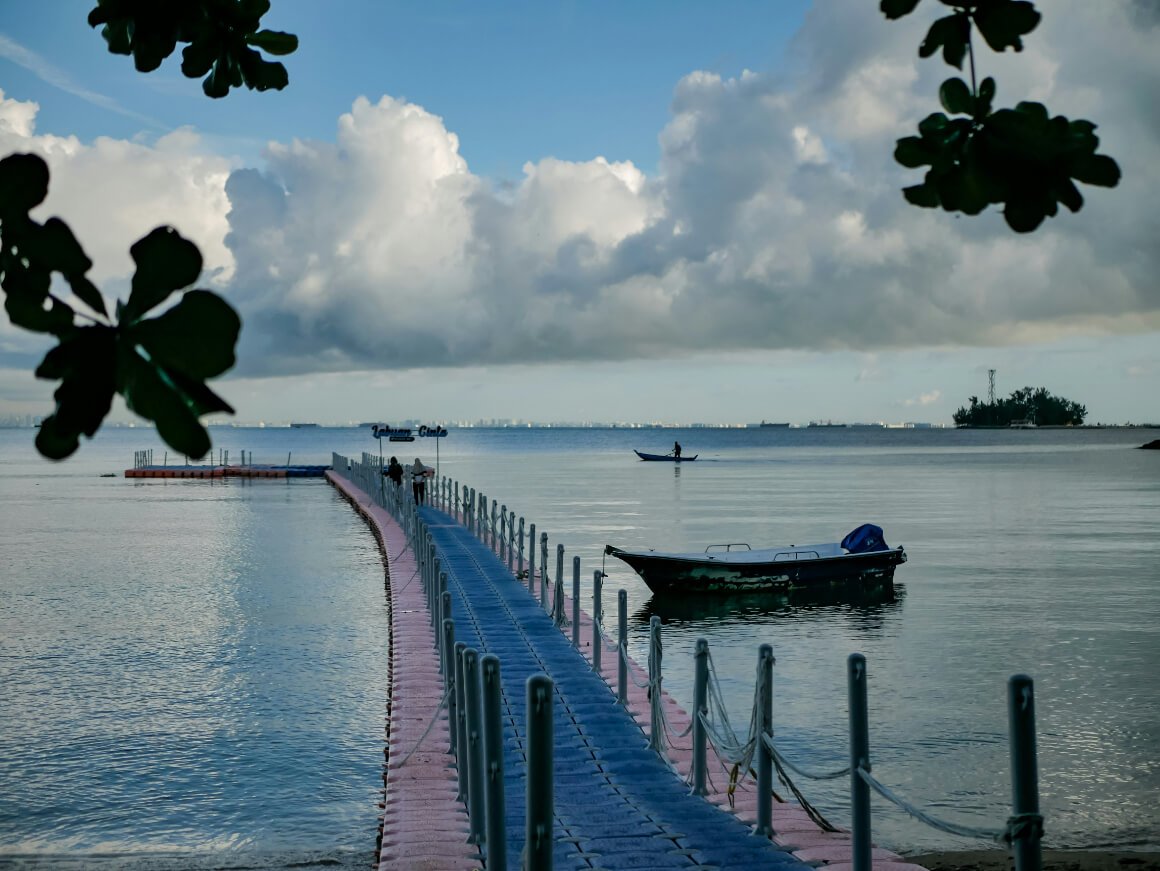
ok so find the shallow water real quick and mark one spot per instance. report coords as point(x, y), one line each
point(187, 673)
point(193, 672)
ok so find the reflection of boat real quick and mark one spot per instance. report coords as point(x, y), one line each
point(669, 457)
point(820, 604)
point(862, 561)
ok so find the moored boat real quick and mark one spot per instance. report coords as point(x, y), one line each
point(860, 562)
point(664, 457)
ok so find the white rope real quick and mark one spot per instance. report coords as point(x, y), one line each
point(629, 664)
point(934, 822)
point(668, 726)
point(430, 726)
point(560, 618)
point(728, 748)
point(809, 775)
point(414, 575)
point(726, 744)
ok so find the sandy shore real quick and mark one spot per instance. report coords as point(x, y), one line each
point(1053, 860)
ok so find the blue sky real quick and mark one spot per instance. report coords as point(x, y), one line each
point(515, 81)
point(596, 211)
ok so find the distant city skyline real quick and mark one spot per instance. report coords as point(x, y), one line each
point(31, 421)
point(522, 211)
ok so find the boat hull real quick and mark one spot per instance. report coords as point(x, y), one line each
point(679, 574)
point(655, 458)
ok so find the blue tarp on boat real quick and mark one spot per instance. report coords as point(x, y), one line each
point(865, 539)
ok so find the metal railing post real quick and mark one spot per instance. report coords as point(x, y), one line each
point(859, 758)
point(765, 730)
point(433, 599)
point(511, 539)
point(596, 643)
point(444, 616)
point(449, 682)
point(493, 763)
point(532, 561)
point(421, 557)
point(558, 617)
point(700, 711)
point(460, 725)
point(440, 587)
point(1026, 825)
point(540, 798)
point(502, 531)
point(576, 602)
point(425, 572)
point(622, 646)
point(654, 683)
point(520, 561)
point(475, 782)
point(543, 568)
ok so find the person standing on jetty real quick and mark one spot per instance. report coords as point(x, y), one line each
point(419, 481)
point(394, 471)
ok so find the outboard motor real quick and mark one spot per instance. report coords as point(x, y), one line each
point(864, 539)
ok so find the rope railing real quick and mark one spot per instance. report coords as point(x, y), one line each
point(627, 660)
point(719, 731)
point(809, 775)
point(925, 817)
point(430, 725)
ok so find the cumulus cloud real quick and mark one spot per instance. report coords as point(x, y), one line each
point(924, 399)
point(774, 220)
point(111, 193)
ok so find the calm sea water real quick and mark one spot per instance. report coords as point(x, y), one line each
point(192, 673)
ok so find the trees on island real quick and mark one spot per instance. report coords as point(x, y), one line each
point(1035, 405)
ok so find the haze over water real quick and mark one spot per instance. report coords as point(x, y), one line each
point(194, 672)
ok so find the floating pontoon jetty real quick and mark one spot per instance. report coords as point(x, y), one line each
point(520, 735)
point(143, 467)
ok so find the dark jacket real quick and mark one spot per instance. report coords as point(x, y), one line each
point(395, 472)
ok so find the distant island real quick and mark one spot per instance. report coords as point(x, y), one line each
point(1025, 408)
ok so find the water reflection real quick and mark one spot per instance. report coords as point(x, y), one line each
point(869, 611)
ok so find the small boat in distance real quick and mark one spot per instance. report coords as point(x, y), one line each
point(861, 562)
point(664, 457)
point(303, 425)
point(764, 425)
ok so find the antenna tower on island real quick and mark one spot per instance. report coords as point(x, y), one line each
point(990, 387)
